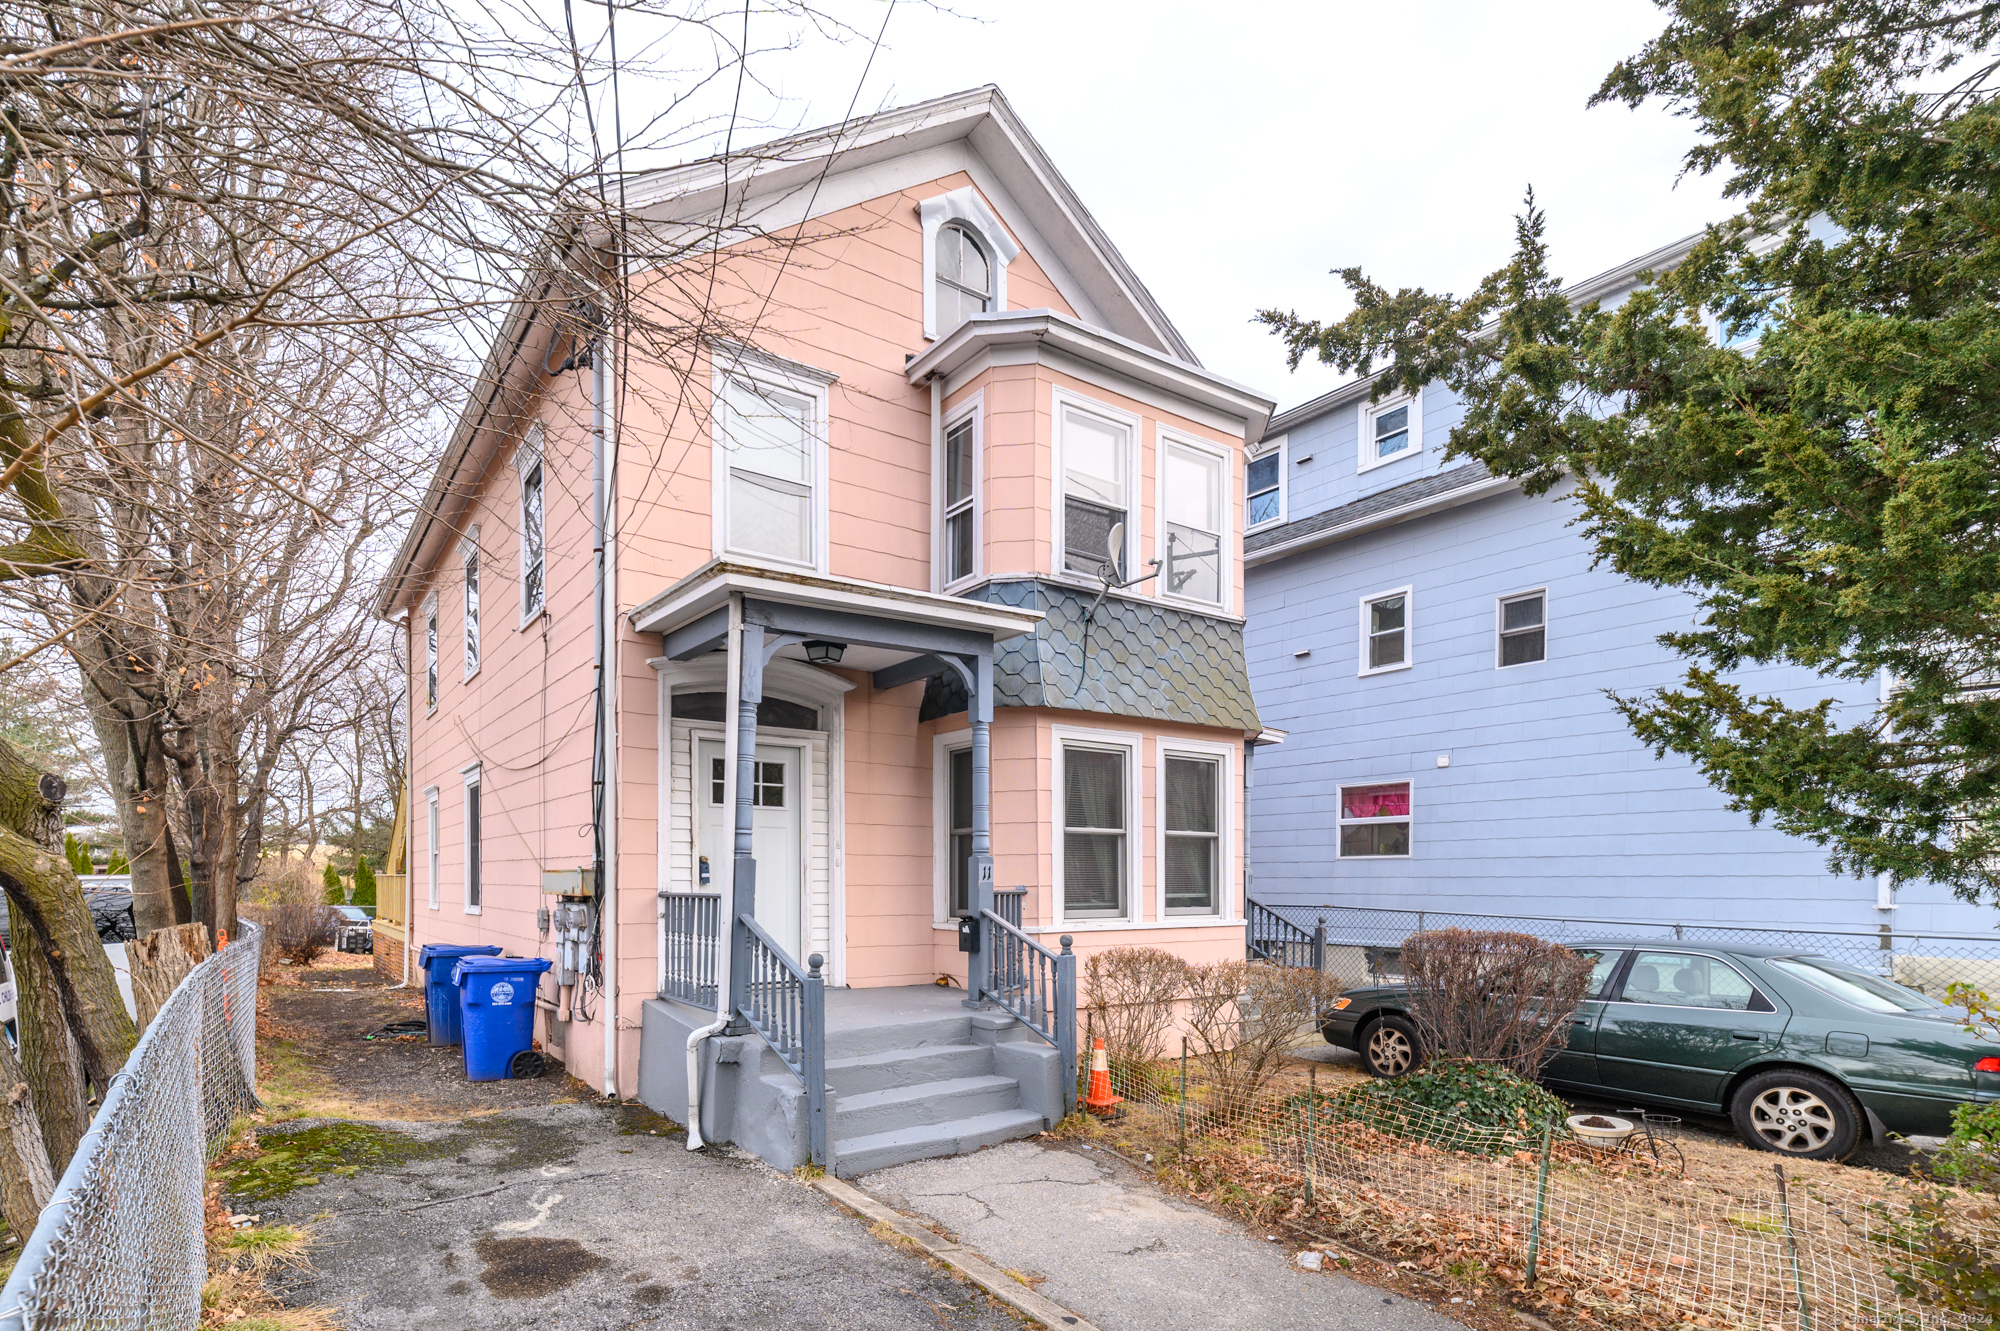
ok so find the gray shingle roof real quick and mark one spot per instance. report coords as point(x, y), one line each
point(1434, 486)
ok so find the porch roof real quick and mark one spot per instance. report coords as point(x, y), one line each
point(709, 588)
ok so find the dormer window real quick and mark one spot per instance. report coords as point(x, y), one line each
point(966, 253)
point(964, 277)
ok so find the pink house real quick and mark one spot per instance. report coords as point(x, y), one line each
point(919, 606)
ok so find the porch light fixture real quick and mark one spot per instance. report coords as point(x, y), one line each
point(823, 653)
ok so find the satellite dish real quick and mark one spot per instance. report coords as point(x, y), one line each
point(1114, 545)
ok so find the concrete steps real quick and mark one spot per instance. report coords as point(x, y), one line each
point(879, 1150)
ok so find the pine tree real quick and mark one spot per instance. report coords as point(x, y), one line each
point(1825, 477)
point(77, 854)
point(336, 893)
point(364, 885)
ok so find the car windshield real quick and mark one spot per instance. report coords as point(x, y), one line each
point(352, 912)
point(1852, 985)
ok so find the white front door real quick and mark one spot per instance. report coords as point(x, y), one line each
point(778, 835)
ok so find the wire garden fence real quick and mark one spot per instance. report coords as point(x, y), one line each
point(121, 1244)
point(1667, 1230)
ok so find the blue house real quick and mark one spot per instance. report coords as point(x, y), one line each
point(1439, 647)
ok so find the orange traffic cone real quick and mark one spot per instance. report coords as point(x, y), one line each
point(1098, 1098)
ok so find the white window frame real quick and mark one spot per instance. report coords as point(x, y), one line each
point(1364, 444)
point(942, 747)
point(431, 853)
point(1408, 593)
point(1500, 604)
point(974, 409)
point(965, 207)
point(1262, 449)
point(734, 361)
point(1341, 820)
point(1061, 401)
point(531, 461)
point(474, 849)
point(1164, 437)
point(469, 640)
point(1224, 756)
point(1133, 745)
point(430, 631)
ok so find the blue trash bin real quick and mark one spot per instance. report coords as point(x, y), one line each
point(496, 998)
point(435, 960)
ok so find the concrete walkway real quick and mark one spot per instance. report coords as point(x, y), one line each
point(1116, 1250)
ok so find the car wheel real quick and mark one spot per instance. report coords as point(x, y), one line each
point(1797, 1113)
point(1389, 1047)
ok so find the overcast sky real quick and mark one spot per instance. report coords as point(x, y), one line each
point(1238, 152)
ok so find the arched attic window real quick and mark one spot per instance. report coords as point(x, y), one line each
point(966, 253)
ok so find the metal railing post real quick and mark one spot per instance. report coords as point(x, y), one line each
point(1066, 1022)
point(1319, 947)
point(814, 1039)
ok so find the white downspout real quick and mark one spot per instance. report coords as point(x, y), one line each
point(725, 923)
point(938, 537)
point(601, 410)
point(409, 809)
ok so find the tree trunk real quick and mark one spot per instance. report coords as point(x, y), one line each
point(135, 760)
point(75, 1031)
point(159, 962)
point(26, 1181)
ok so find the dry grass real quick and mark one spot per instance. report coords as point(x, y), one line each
point(239, 1260)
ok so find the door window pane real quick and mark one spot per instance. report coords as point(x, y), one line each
point(1601, 966)
point(1192, 831)
point(1093, 832)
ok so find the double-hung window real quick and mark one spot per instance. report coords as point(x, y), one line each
point(1263, 482)
point(431, 652)
point(1375, 820)
point(470, 555)
point(431, 846)
point(1096, 844)
point(1385, 631)
point(1192, 485)
point(1096, 451)
point(1389, 430)
point(473, 850)
point(960, 537)
point(533, 544)
point(770, 448)
point(1522, 628)
point(1191, 829)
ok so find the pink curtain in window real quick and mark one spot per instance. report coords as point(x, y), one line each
point(1391, 801)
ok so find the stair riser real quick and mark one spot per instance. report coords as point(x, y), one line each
point(913, 1034)
point(919, 1066)
point(923, 1112)
point(854, 1161)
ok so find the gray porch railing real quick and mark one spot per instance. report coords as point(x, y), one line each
point(1269, 936)
point(1036, 986)
point(691, 921)
point(1007, 901)
point(787, 1006)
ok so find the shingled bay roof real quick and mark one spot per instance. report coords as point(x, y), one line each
point(1426, 494)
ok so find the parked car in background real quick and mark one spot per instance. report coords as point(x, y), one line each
point(109, 896)
point(1807, 1056)
point(353, 930)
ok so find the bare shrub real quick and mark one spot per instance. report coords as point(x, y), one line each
point(1131, 995)
point(298, 924)
point(1242, 1018)
point(1493, 997)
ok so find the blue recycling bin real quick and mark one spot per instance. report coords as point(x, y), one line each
point(496, 997)
point(435, 960)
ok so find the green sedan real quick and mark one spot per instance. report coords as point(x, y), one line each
point(1808, 1057)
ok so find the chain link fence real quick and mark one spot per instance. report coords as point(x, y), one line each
point(1669, 1230)
point(1359, 940)
point(121, 1245)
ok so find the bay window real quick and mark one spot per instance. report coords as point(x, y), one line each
point(1192, 482)
point(1375, 820)
point(1096, 452)
point(1095, 845)
point(959, 539)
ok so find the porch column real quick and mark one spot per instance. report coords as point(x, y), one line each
point(743, 876)
point(979, 965)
